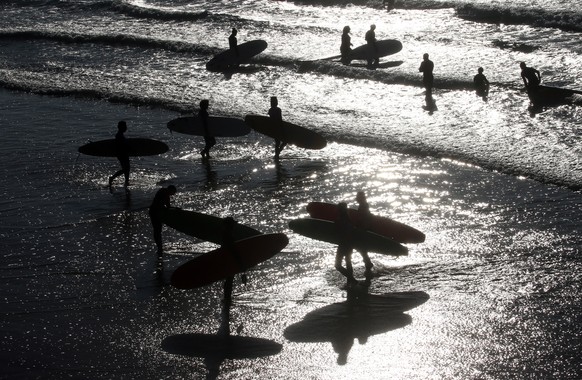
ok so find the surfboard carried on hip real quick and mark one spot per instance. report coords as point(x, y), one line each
point(217, 126)
point(222, 262)
point(286, 132)
point(229, 58)
point(136, 147)
point(384, 226)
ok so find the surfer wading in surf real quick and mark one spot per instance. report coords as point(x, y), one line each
point(161, 201)
point(209, 140)
point(122, 152)
point(233, 44)
point(530, 76)
point(275, 114)
point(370, 37)
point(344, 230)
point(364, 210)
point(481, 84)
point(346, 46)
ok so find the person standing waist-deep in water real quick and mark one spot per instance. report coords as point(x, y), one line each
point(209, 140)
point(160, 202)
point(346, 46)
point(426, 68)
point(275, 114)
point(122, 153)
point(530, 76)
point(370, 37)
point(345, 247)
point(481, 83)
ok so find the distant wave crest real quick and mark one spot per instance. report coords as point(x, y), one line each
point(157, 13)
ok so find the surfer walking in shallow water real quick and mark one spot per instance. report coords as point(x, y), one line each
point(209, 140)
point(365, 215)
point(530, 76)
point(160, 202)
point(346, 46)
point(370, 37)
point(276, 115)
point(122, 153)
point(481, 84)
point(344, 230)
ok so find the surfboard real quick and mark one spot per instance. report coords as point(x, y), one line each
point(227, 58)
point(137, 147)
point(221, 263)
point(547, 95)
point(217, 126)
point(384, 48)
point(203, 226)
point(286, 132)
point(363, 240)
point(228, 346)
point(384, 226)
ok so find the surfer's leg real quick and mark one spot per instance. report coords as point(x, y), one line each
point(228, 289)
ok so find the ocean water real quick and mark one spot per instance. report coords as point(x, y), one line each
point(493, 184)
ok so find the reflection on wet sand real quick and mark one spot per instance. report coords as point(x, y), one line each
point(360, 317)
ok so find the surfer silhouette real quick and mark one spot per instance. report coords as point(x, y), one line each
point(365, 214)
point(344, 230)
point(275, 114)
point(228, 243)
point(160, 202)
point(209, 140)
point(346, 46)
point(370, 37)
point(232, 41)
point(531, 77)
point(426, 68)
point(481, 84)
point(122, 152)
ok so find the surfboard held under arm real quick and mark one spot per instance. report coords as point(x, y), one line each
point(286, 132)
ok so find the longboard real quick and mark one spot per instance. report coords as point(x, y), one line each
point(383, 48)
point(137, 147)
point(217, 126)
point(227, 58)
point(203, 226)
point(363, 240)
point(384, 226)
point(549, 94)
point(222, 263)
point(286, 132)
point(228, 346)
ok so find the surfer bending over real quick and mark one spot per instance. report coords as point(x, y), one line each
point(275, 114)
point(209, 140)
point(370, 37)
point(228, 243)
point(344, 229)
point(122, 152)
point(346, 46)
point(365, 214)
point(481, 83)
point(160, 202)
point(531, 77)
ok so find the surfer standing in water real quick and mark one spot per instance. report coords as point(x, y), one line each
point(122, 152)
point(365, 215)
point(346, 46)
point(233, 44)
point(370, 37)
point(344, 230)
point(275, 114)
point(481, 84)
point(228, 243)
point(209, 140)
point(160, 202)
point(426, 68)
point(531, 77)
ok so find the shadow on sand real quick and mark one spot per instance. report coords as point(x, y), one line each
point(360, 317)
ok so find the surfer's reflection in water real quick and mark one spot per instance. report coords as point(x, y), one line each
point(228, 243)
point(122, 153)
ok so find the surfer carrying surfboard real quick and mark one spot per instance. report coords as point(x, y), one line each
point(370, 37)
point(530, 76)
point(229, 243)
point(344, 230)
point(233, 43)
point(275, 114)
point(160, 202)
point(366, 215)
point(122, 153)
point(209, 140)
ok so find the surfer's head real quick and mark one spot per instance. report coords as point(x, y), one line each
point(122, 126)
point(274, 101)
point(425, 56)
point(373, 27)
point(346, 29)
point(360, 197)
point(204, 104)
point(234, 31)
point(522, 65)
point(480, 70)
point(172, 189)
